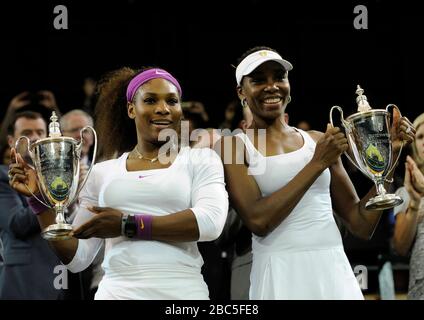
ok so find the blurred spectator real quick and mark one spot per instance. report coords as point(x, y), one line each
point(71, 124)
point(5, 154)
point(29, 264)
point(286, 117)
point(196, 108)
point(43, 102)
point(242, 117)
point(195, 114)
point(303, 125)
point(229, 114)
point(409, 226)
point(195, 120)
point(1, 255)
point(215, 269)
point(236, 239)
point(89, 89)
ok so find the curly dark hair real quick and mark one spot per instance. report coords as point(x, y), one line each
point(116, 131)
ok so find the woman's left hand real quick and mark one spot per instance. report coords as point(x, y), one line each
point(105, 224)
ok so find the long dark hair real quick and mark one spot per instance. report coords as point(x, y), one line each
point(116, 131)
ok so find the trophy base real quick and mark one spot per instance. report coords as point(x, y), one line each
point(58, 231)
point(382, 202)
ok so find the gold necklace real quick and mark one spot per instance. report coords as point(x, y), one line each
point(140, 156)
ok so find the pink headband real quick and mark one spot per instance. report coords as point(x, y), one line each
point(147, 75)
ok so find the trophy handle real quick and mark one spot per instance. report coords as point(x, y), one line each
point(346, 126)
point(344, 123)
point(389, 109)
point(79, 146)
point(32, 157)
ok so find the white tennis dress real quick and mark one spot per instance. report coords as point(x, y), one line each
point(303, 258)
point(138, 269)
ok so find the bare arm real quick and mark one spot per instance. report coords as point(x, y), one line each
point(64, 249)
point(405, 230)
point(349, 207)
point(204, 221)
point(179, 226)
point(263, 214)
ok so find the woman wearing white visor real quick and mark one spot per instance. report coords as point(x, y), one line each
point(286, 192)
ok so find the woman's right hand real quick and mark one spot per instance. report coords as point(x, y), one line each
point(330, 147)
point(414, 181)
point(22, 177)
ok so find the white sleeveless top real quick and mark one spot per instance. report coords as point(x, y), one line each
point(303, 257)
point(312, 216)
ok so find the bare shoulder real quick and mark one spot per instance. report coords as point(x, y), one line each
point(316, 135)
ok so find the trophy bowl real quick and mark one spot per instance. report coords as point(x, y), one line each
point(369, 135)
point(56, 161)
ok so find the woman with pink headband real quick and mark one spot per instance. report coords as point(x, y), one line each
point(151, 204)
point(286, 192)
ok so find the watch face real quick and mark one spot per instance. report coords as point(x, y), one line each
point(130, 226)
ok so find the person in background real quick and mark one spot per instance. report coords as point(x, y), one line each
point(409, 226)
point(304, 125)
point(229, 115)
point(29, 264)
point(89, 89)
point(196, 107)
point(43, 102)
point(215, 270)
point(71, 124)
point(236, 238)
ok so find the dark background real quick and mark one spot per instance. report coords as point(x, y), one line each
point(199, 40)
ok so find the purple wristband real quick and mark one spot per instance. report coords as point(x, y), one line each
point(36, 206)
point(144, 226)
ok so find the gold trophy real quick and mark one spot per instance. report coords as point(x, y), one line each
point(56, 162)
point(369, 134)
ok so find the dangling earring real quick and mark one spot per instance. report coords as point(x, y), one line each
point(244, 103)
point(288, 99)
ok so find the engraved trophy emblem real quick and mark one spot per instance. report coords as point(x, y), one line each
point(56, 162)
point(369, 135)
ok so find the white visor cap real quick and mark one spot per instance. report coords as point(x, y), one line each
point(255, 59)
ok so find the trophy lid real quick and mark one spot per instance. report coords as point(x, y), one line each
point(54, 126)
point(361, 100)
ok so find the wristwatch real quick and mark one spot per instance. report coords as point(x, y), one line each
point(123, 221)
point(130, 227)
